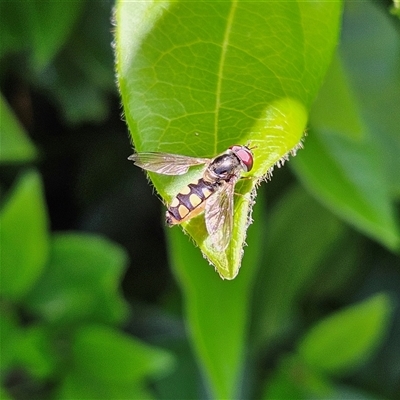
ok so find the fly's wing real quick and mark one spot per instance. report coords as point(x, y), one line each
point(166, 164)
point(219, 216)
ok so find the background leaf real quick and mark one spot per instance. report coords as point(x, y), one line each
point(217, 306)
point(292, 380)
point(342, 340)
point(122, 358)
point(109, 364)
point(333, 346)
point(24, 237)
point(8, 335)
point(371, 60)
point(15, 144)
point(343, 166)
point(4, 395)
point(29, 25)
point(79, 78)
point(80, 281)
point(33, 352)
point(290, 263)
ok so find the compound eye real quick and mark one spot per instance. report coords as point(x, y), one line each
point(245, 155)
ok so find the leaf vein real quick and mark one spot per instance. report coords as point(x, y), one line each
point(225, 44)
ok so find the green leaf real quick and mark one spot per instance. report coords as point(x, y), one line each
point(344, 339)
point(76, 386)
point(8, 334)
point(38, 26)
point(395, 10)
point(342, 165)
point(217, 311)
point(198, 77)
point(369, 52)
point(112, 356)
point(81, 282)
point(109, 364)
point(300, 237)
point(344, 119)
point(339, 269)
point(81, 75)
point(24, 348)
point(355, 393)
point(4, 395)
point(293, 380)
point(15, 145)
point(24, 237)
point(33, 353)
point(185, 382)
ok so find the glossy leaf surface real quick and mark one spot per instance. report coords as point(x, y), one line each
point(199, 77)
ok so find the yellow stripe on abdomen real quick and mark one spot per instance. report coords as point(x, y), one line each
point(189, 202)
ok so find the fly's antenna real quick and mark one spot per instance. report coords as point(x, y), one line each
point(250, 147)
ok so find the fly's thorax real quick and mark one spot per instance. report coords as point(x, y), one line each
point(223, 167)
point(189, 202)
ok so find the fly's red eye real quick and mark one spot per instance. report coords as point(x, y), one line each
point(245, 155)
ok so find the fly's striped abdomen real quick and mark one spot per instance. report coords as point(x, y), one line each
point(189, 202)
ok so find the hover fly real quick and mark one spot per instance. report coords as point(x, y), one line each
point(212, 193)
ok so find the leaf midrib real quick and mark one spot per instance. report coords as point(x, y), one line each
point(225, 44)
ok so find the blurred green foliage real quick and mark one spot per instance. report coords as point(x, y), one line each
point(314, 311)
point(15, 144)
point(68, 283)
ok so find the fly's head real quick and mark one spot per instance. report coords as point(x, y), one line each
point(245, 156)
point(235, 160)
